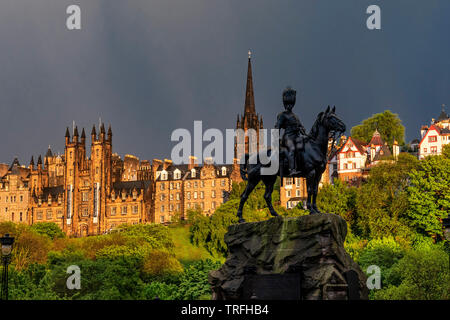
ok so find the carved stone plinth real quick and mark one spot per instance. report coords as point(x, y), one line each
point(308, 249)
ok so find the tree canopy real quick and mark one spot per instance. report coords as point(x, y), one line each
point(388, 124)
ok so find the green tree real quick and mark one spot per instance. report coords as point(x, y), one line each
point(49, 229)
point(422, 273)
point(382, 202)
point(388, 124)
point(338, 198)
point(429, 195)
point(446, 151)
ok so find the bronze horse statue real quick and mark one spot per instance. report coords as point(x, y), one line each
point(314, 158)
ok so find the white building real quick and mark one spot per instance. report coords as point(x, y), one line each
point(434, 137)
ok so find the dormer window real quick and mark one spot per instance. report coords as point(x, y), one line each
point(192, 173)
point(113, 196)
point(39, 202)
point(224, 171)
point(134, 194)
point(164, 175)
point(49, 199)
point(124, 195)
point(59, 199)
point(177, 174)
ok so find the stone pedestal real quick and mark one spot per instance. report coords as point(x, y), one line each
point(308, 248)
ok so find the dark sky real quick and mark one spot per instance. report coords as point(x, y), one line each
point(149, 67)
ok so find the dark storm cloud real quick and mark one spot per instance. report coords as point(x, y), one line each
point(149, 67)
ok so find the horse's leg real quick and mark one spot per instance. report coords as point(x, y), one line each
point(248, 189)
point(310, 190)
point(315, 191)
point(269, 182)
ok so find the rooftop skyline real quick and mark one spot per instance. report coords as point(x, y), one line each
point(150, 67)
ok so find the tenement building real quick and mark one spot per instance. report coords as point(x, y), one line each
point(180, 188)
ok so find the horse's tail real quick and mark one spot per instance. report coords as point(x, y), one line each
point(243, 168)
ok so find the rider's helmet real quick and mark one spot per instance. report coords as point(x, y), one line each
point(289, 98)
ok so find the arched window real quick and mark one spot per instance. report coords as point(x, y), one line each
point(224, 171)
point(192, 173)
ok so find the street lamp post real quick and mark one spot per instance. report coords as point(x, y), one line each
point(7, 245)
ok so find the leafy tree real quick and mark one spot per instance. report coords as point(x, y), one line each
point(339, 199)
point(446, 151)
point(423, 275)
point(49, 229)
point(382, 201)
point(161, 263)
point(388, 124)
point(429, 195)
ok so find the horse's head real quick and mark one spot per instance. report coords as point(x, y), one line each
point(332, 122)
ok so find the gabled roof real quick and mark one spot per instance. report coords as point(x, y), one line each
point(376, 139)
point(357, 143)
point(383, 153)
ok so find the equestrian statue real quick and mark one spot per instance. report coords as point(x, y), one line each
point(300, 154)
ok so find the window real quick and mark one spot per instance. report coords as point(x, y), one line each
point(202, 205)
point(178, 196)
point(297, 193)
point(21, 198)
point(425, 150)
point(354, 165)
point(161, 218)
point(213, 205)
point(85, 212)
point(20, 217)
point(163, 197)
point(202, 184)
point(178, 207)
point(195, 184)
point(113, 196)
point(297, 182)
point(85, 196)
point(171, 207)
point(135, 209)
point(171, 196)
point(288, 193)
point(213, 194)
point(59, 214)
point(171, 186)
point(224, 171)
point(195, 195)
point(222, 182)
point(433, 149)
point(188, 195)
point(432, 139)
point(345, 166)
point(192, 173)
point(124, 195)
point(162, 186)
point(178, 185)
point(124, 210)
point(202, 195)
point(288, 181)
point(113, 211)
point(39, 215)
point(162, 208)
point(134, 194)
point(213, 183)
point(188, 184)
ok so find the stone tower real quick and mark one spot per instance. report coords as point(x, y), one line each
point(250, 119)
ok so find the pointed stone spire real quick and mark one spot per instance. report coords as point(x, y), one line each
point(75, 133)
point(83, 134)
point(249, 95)
point(67, 133)
point(102, 128)
point(39, 163)
point(49, 152)
point(32, 161)
point(109, 131)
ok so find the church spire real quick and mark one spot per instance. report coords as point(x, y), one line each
point(249, 96)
